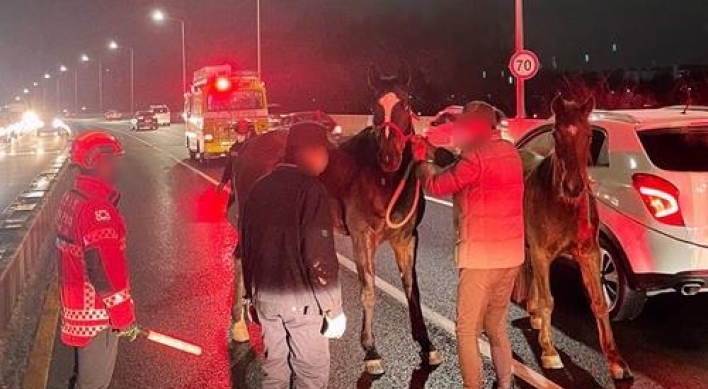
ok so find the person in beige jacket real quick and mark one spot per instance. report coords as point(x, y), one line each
point(486, 184)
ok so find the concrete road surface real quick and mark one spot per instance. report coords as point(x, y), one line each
point(22, 160)
point(179, 252)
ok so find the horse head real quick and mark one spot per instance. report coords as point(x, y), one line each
point(572, 137)
point(392, 116)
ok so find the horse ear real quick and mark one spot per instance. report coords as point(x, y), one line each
point(404, 75)
point(587, 107)
point(374, 77)
point(558, 105)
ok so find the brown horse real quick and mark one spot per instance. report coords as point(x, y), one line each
point(562, 220)
point(374, 199)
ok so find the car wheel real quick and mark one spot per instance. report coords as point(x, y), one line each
point(623, 302)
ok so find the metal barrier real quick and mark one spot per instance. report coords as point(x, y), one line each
point(25, 226)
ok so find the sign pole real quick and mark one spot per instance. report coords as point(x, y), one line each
point(519, 45)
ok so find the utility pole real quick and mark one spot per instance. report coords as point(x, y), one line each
point(518, 46)
point(258, 34)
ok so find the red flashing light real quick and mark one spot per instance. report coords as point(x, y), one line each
point(222, 84)
point(660, 197)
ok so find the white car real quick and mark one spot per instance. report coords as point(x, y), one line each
point(649, 173)
point(162, 113)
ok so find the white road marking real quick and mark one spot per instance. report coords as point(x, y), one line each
point(439, 201)
point(522, 371)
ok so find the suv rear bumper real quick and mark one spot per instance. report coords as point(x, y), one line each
point(655, 281)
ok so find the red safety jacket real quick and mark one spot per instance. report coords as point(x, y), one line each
point(93, 273)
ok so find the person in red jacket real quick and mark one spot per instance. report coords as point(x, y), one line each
point(97, 307)
point(487, 187)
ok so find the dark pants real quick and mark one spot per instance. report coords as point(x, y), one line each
point(95, 362)
point(295, 349)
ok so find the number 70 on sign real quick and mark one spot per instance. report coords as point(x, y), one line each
point(524, 64)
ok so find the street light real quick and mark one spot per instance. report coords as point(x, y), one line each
point(17, 98)
point(159, 17)
point(62, 69)
point(47, 76)
point(35, 84)
point(25, 91)
point(85, 58)
point(113, 45)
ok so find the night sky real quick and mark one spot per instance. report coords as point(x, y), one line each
point(316, 52)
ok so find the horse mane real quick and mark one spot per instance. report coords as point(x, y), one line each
point(362, 148)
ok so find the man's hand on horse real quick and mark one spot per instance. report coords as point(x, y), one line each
point(420, 148)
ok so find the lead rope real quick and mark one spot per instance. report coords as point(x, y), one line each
point(397, 195)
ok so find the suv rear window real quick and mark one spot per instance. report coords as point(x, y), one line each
point(677, 149)
point(159, 110)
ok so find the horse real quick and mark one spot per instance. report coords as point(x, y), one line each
point(374, 196)
point(561, 219)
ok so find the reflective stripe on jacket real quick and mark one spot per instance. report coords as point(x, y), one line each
point(93, 273)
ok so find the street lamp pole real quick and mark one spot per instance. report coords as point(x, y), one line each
point(76, 89)
point(114, 46)
point(159, 16)
point(100, 85)
point(258, 34)
point(518, 46)
point(184, 58)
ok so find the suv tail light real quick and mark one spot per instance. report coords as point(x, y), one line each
point(660, 197)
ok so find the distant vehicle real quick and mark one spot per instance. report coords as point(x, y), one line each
point(144, 120)
point(162, 113)
point(218, 100)
point(319, 117)
point(55, 128)
point(649, 174)
point(112, 114)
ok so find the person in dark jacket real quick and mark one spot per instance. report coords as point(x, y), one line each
point(290, 264)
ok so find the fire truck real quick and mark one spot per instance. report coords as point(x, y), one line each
point(223, 107)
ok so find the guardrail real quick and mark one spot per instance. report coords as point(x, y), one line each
point(352, 124)
point(25, 227)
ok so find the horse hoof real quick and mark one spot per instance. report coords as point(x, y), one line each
point(435, 358)
point(536, 323)
point(551, 362)
point(239, 332)
point(621, 372)
point(374, 367)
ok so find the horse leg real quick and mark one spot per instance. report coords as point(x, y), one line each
point(405, 249)
point(541, 272)
point(364, 249)
point(590, 269)
point(532, 305)
point(239, 329)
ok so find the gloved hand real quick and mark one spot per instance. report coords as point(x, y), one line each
point(131, 333)
point(419, 147)
point(334, 327)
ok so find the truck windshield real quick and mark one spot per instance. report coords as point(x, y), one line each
point(677, 149)
point(239, 100)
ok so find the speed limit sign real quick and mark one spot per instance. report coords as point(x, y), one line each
point(524, 64)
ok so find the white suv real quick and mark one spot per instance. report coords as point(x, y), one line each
point(649, 173)
point(162, 113)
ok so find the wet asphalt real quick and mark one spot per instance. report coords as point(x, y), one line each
point(180, 258)
point(21, 161)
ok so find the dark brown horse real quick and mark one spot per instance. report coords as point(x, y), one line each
point(562, 220)
point(374, 199)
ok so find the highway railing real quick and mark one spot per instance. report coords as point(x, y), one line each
point(26, 226)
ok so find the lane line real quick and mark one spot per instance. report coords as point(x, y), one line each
point(439, 201)
point(522, 371)
point(37, 372)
